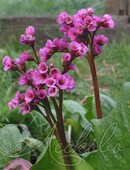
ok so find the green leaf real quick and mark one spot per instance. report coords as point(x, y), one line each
point(91, 158)
point(10, 140)
point(107, 104)
point(33, 144)
point(4, 160)
point(53, 159)
point(76, 128)
point(74, 107)
point(81, 138)
point(89, 108)
point(112, 136)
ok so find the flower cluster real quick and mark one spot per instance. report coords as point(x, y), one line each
point(52, 47)
point(43, 81)
point(82, 27)
point(18, 63)
point(98, 42)
point(29, 37)
point(47, 80)
point(82, 22)
point(69, 52)
point(8, 63)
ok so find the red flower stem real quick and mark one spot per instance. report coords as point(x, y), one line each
point(35, 54)
point(47, 104)
point(35, 61)
point(59, 129)
point(61, 132)
point(95, 86)
point(55, 105)
point(60, 116)
point(19, 69)
point(64, 144)
point(53, 123)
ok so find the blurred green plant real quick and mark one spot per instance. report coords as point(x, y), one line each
point(45, 7)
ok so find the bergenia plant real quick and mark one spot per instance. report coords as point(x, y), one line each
point(47, 84)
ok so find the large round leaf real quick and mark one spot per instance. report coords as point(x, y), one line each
point(112, 136)
point(53, 159)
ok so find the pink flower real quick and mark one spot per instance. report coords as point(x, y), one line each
point(79, 28)
point(22, 80)
point(61, 17)
point(82, 50)
point(68, 19)
point(29, 74)
point(111, 24)
point(77, 19)
point(24, 57)
point(98, 19)
point(62, 82)
point(72, 34)
point(54, 72)
point(107, 21)
point(88, 20)
point(30, 30)
point(38, 87)
point(27, 39)
point(42, 78)
point(63, 44)
point(107, 17)
point(42, 68)
point(56, 41)
point(29, 95)
point(100, 40)
point(25, 108)
point(82, 12)
point(65, 29)
point(71, 83)
point(19, 163)
point(41, 94)
point(19, 96)
point(97, 49)
point(50, 44)
point(50, 82)
point(8, 63)
point(52, 91)
point(90, 11)
point(39, 78)
point(44, 54)
point(92, 26)
point(72, 67)
point(51, 65)
point(13, 103)
point(66, 57)
point(74, 46)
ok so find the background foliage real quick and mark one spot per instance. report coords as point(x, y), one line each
point(45, 7)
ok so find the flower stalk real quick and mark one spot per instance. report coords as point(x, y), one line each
point(96, 87)
point(61, 131)
point(37, 59)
